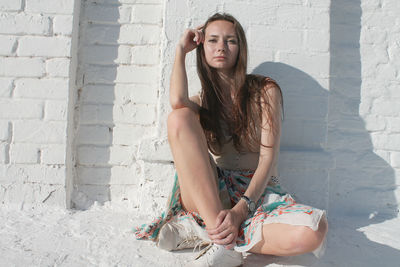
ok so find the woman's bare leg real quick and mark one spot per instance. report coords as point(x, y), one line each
point(288, 240)
point(196, 175)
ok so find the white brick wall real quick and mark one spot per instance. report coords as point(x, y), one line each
point(35, 82)
point(336, 61)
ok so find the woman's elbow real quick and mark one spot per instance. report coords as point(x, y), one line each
point(177, 103)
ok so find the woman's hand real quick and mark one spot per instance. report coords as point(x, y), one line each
point(227, 229)
point(191, 38)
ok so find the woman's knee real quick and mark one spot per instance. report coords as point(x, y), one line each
point(306, 240)
point(180, 119)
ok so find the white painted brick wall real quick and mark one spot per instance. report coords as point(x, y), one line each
point(35, 86)
point(337, 63)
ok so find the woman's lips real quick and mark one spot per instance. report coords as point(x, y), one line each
point(220, 57)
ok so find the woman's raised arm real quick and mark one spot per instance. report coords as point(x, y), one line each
point(178, 95)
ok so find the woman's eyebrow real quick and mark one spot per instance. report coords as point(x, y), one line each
point(228, 36)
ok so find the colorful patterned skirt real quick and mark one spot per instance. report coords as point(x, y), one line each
point(274, 206)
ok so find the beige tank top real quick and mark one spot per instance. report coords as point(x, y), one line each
point(232, 159)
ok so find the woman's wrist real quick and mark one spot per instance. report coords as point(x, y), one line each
point(241, 209)
point(180, 50)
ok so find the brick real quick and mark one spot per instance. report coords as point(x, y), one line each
point(42, 88)
point(393, 124)
point(139, 34)
point(24, 153)
point(375, 123)
point(113, 175)
point(158, 171)
point(21, 109)
point(90, 114)
point(347, 140)
point(6, 86)
point(53, 154)
point(121, 74)
point(136, 74)
point(58, 67)
point(38, 132)
point(316, 65)
point(103, 13)
point(32, 194)
point(55, 110)
point(4, 131)
point(94, 135)
point(21, 67)
point(106, 54)
point(49, 6)
point(120, 93)
point(63, 24)
point(317, 40)
point(101, 34)
point(36, 173)
point(8, 45)
point(4, 153)
point(130, 34)
point(372, 35)
point(126, 134)
point(275, 38)
point(23, 23)
point(386, 107)
point(386, 141)
point(395, 159)
point(98, 94)
point(303, 134)
point(292, 17)
point(149, 55)
point(147, 14)
point(10, 5)
point(104, 156)
point(318, 18)
point(44, 46)
point(154, 149)
point(137, 93)
point(131, 113)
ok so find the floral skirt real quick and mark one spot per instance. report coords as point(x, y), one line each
point(274, 206)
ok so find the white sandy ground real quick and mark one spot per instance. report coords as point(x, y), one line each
point(102, 236)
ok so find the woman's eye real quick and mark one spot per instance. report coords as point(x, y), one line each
point(212, 40)
point(232, 41)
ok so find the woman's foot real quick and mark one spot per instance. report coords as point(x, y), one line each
point(176, 236)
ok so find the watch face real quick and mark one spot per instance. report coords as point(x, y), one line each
point(252, 206)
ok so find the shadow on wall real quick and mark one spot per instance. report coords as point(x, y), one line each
point(361, 188)
point(325, 126)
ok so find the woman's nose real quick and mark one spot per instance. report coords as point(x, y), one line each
point(221, 46)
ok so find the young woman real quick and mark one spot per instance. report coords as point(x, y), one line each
point(232, 200)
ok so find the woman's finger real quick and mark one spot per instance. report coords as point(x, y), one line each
point(221, 217)
point(225, 241)
point(221, 235)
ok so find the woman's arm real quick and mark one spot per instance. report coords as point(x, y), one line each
point(228, 221)
point(268, 155)
point(178, 95)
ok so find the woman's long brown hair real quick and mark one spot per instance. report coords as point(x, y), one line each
point(244, 116)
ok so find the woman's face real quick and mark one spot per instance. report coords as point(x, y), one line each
point(221, 46)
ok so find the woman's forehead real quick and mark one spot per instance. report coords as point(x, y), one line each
point(220, 27)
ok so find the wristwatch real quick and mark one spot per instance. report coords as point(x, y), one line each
point(251, 205)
